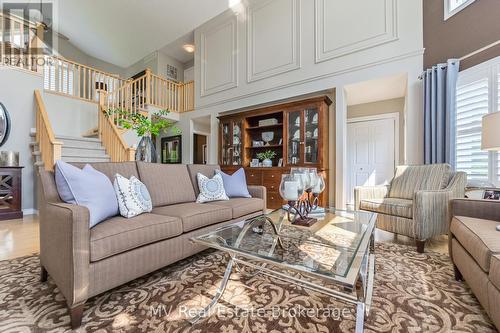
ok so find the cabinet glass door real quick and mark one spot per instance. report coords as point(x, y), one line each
point(226, 144)
point(311, 133)
point(294, 137)
point(236, 152)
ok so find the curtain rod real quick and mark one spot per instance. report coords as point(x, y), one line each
point(489, 46)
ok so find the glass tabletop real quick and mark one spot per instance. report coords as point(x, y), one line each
point(333, 247)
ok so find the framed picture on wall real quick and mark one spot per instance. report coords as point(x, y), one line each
point(171, 150)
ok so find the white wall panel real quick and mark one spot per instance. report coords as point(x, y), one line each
point(273, 40)
point(219, 56)
point(344, 27)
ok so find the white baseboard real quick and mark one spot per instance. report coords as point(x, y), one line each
point(30, 211)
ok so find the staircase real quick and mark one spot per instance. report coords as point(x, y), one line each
point(75, 149)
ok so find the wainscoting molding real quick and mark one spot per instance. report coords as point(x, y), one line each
point(343, 46)
point(267, 42)
point(214, 56)
point(407, 55)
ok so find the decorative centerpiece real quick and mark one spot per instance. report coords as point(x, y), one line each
point(144, 127)
point(266, 157)
point(301, 188)
point(267, 137)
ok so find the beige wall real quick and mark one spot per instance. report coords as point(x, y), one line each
point(382, 107)
point(474, 27)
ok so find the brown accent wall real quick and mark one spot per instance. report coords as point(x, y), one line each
point(469, 30)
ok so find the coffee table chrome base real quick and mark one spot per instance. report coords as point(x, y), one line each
point(362, 299)
point(222, 287)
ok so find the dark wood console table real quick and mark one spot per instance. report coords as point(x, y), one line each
point(10, 193)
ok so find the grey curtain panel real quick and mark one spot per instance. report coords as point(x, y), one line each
point(440, 83)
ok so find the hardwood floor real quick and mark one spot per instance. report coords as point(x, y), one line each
point(20, 238)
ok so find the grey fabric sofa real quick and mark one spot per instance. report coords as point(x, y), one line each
point(417, 201)
point(85, 262)
point(475, 250)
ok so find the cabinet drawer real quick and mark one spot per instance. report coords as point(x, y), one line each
point(274, 200)
point(254, 177)
point(273, 177)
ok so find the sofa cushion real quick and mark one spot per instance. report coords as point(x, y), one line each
point(242, 206)
point(110, 169)
point(235, 184)
point(120, 234)
point(86, 187)
point(195, 215)
point(478, 237)
point(207, 170)
point(389, 206)
point(410, 179)
point(167, 183)
point(495, 271)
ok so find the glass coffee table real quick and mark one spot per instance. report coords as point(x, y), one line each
point(335, 256)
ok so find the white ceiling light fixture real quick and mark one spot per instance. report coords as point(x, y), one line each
point(188, 48)
point(232, 3)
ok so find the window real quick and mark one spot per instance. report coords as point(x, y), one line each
point(451, 7)
point(478, 93)
point(58, 76)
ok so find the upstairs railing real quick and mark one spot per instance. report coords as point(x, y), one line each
point(150, 89)
point(20, 42)
point(72, 79)
point(50, 149)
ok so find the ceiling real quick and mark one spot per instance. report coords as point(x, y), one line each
point(122, 32)
point(376, 90)
point(176, 51)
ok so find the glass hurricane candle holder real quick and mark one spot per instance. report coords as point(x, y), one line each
point(292, 189)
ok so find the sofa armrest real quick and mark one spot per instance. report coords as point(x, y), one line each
point(369, 192)
point(65, 248)
point(259, 192)
point(431, 213)
point(480, 209)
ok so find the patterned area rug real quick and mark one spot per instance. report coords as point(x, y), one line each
point(413, 293)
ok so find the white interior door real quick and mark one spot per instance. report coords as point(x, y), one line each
point(370, 153)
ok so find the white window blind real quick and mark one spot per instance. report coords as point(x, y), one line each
point(58, 77)
point(472, 105)
point(478, 93)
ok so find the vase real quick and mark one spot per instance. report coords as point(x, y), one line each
point(146, 151)
point(267, 163)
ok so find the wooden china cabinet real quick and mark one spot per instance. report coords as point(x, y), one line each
point(296, 131)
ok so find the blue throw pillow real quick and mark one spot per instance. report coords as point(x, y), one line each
point(235, 185)
point(87, 187)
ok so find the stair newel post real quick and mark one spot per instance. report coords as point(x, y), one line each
point(148, 86)
point(56, 152)
point(101, 109)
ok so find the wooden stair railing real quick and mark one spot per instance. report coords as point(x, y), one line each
point(110, 136)
point(50, 149)
point(150, 89)
point(72, 79)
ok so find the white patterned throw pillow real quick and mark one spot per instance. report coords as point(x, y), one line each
point(211, 189)
point(133, 196)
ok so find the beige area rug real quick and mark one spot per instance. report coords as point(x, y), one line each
point(413, 293)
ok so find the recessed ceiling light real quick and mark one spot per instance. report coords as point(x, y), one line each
point(188, 48)
point(232, 3)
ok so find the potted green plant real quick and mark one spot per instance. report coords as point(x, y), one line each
point(144, 126)
point(266, 157)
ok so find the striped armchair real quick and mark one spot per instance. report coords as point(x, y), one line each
point(417, 201)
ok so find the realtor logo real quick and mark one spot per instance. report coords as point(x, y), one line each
point(28, 32)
